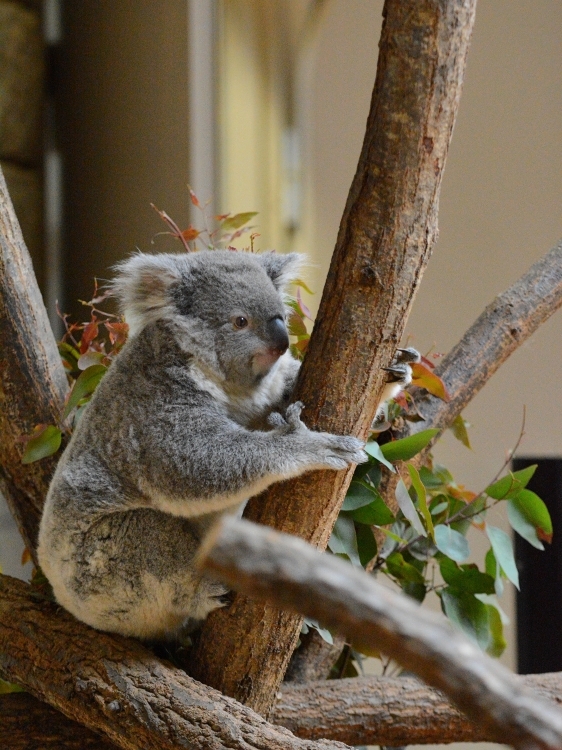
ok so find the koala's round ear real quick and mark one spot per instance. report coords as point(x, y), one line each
point(142, 286)
point(282, 269)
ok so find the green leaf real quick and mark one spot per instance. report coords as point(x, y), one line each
point(9, 687)
point(296, 325)
point(376, 513)
point(458, 428)
point(402, 570)
point(429, 479)
point(415, 591)
point(366, 544)
point(509, 486)
point(344, 540)
point(408, 508)
point(493, 569)
point(43, 444)
point(237, 221)
point(503, 552)
point(69, 354)
point(468, 613)
point(85, 385)
point(497, 643)
point(466, 578)
point(439, 507)
point(374, 450)
point(527, 509)
point(370, 470)
point(422, 498)
point(451, 543)
point(301, 283)
point(408, 447)
point(358, 495)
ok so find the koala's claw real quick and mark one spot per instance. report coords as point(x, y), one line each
point(408, 355)
point(345, 450)
point(276, 420)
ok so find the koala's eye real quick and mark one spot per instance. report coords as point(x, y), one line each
point(240, 322)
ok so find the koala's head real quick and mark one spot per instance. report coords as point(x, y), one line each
point(226, 308)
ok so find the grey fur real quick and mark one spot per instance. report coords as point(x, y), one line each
point(189, 421)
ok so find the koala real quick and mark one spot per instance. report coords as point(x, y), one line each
point(192, 418)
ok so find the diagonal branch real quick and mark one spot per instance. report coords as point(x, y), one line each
point(292, 575)
point(32, 380)
point(115, 686)
point(384, 242)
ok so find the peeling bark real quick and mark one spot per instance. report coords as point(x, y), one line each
point(384, 242)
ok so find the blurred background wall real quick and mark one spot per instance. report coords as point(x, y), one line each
point(262, 106)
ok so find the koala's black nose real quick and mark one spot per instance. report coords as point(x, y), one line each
point(277, 334)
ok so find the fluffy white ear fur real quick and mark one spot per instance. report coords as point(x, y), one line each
point(142, 287)
point(282, 269)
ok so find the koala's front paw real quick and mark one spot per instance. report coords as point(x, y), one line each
point(289, 423)
point(338, 451)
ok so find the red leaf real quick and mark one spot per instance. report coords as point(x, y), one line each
point(118, 332)
point(425, 378)
point(194, 198)
point(544, 536)
point(190, 233)
point(26, 556)
point(302, 307)
point(89, 334)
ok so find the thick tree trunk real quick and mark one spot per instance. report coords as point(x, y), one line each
point(116, 686)
point(384, 242)
point(292, 575)
point(32, 379)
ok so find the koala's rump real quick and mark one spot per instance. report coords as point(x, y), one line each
point(132, 573)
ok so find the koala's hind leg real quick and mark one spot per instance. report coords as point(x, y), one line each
point(133, 574)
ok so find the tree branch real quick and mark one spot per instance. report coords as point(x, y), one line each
point(116, 686)
point(293, 575)
point(359, 711)
point(388, 711)
point(384, 242)
point(32, 380)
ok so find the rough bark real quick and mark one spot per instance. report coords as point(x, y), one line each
point(292, 575)
point(29, 724)
point(385, 711)
point(32, 379)
point(384, 242)
point(314, 658)
point(359, 711)
point(117, 687)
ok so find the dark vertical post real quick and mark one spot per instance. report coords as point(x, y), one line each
point(539, 603)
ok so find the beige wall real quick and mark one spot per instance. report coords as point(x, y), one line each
point(123, 113)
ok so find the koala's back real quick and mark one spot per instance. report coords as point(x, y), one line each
point(101, 545)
